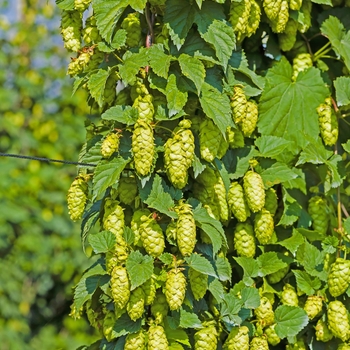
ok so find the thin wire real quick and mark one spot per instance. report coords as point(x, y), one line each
point(41, 159)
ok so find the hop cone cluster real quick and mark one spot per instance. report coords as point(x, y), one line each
point(159, 308)
point(127, 189)
point(301, 62)
point(338, 320)
point(244, 240)
point(209, 139)
point(206, 338)
point(254, 190)
point(152, 236)
point(328, 122)
point(135, 341)
point(238, 100)
point(289, 295)
point(132, 25)
point(185, 229)
point(110, 145)
point(236, 201)
point(175, 289)
point(259, 343)
point(313, 306)
point(318, 211)
point(120, 286)
point(136, 304)
point(263, 226)
point(71, 27)
point(77, 197)
point(81, 5)
point(145, 107)
point(238, 339)
point(339, 277)
point(198, 283)
point(157, 339)
point(322, 331)
point(264, 313)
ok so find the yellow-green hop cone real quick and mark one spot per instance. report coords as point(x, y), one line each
point(132, 25)
point(288, 38)
point(254, 190)
point(136, 304)
point(152, 236)
point(338, 320)
point(143, 147)
point(110, 90)
point(289, 295)
point(221, 198)
point(81, 5)
point(250, 119)
point(301, 62)
point(254, 18)
point(264, 313)
point(198, 283)
point(239, 17)
point(90, 32)
point(318, 210)
point(237, 203)
point(144, 104)
point(322, 331)
point(175, 289)
point(259, 343)
point(278, 25)
point(171, 231)
point(277, 276)
point(185, 229)
point(271, 201)
point(343, 346)
point(157, 339)
point(136, 222)
point(244, 240)
point(263, 226)
point(238, 101)
point(127, 189)
point(238, 339)
point(77, 197)
point(235, 138)
point(107, 326)
point(299, 345)
point(71, 26)
point(159, 308)
point(328, 123)
point(110, 145)
point(179, 154)
point(305, 11)
point(118, 256)
point(120, 286)
point(139, 89)
point(295, 4)
point(135, 341)
point(210, 138)
point(313, 306)
point(272, 8)
point(113, 219)
point(206, 338)
point(339, 277)
point(272, 337)
point(150, 290)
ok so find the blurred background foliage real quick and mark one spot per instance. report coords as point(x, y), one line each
point(40, 250)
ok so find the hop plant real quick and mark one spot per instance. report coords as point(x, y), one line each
point(107, 326)
point(254, 18)
point(136, 222)
point(254, 190)
point(71, 27)
point(209, 139)
point(263, 226)
point(271, 201)
point(145, 107)
point(238, 339)
point(206, 338)
point(136, 304)
point(299, 345)
point(152, 236)
point(338, 320)
point(81, 5)
point(239, 17)
point(250, 119)
point(277, 276)
point(159, 308)
point(77, 197)
point(198, 282)
point(272, 8)
point(343, 346)
point(289, 295)
point(339, 277)
point(150, 290)
point(175, 289)
point(157, 339)
point(264, 312)
point(143, 147)
point(90, 32)
point(244, 240)
point(328, 123)
point(110, 90)
point(110, 145)
point(301, 62)
point(272, 337)
point(278, 25)
point(288, 38)
point(185, 229)
point(322, 331)
point(313, 306)
point(139, 89)
point(305, 10)
point(237, 203)
point(295, 4)
point(132, 25)
point(259, 343)
point(135, 341)
point(179, 154)
point(318, 210)
point(238, 100)
point(127, 189)
point(113, 219)
point(120, 286)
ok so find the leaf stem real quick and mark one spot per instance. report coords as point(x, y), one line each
point(322, 54)
point(323, 48)
point(163, 127)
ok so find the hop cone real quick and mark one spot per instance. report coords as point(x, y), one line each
point(328, 123)
point(272, 337)
point(159, 308)
point(132, 25)
point(136, 222)
point(118, 256)
point(237, 202)
point(152, 236)
point(150, 290)
point(278, 25)
point(206, 338)
point(120, 286)
point(110, 90)
point(244, 241)
point(185, 229)
point(343, 346)
point(113, 219)
point(238, 100)
point(80, 64)
point(339, 277)
point(288, 38)
point(221, 198)
point(301, 62)
point(295, 4)
point(143, 147)
point(254, 190)
point(259, 343)
point(235, 138)
point(289, 296)
point(179, 154)
point(110, 145)
point(77, 197)
point(299, 345)
point(305, 10)
point(171, 231)
point(127, 189)
point(175, 289)
point(264, 313)
point(145, 107)
point(139, 89)
point(313, 306)
point(71, 26)
point(277, 276)
point(250, 119)
point(238, 339)
point(107, 325)
point(239, 17)
point(136, 304)
point(271, 203)
point(322, 331)
point(209, 139)
point(263, 226)
point(318, 211)
point(198, 283)
point(272, 8)
point(135, 341)
point(254, 18)
point(157, 339)
point(81, 5)
point(90, 31)
point(338, 320)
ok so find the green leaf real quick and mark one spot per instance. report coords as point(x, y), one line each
point(216, 289)
point(277, 173)
point(107, 14)
point(291, 211)
point(67, 5)
point(323, 2)
point(269, 263)
point(290, 320)
point(123, 114)
point(250, 268)
point(177, 334)
point(347, 225)
point(346, 146)
point(314, 152)
point(129, 235)
point(231, 306)
point(198, 166)
point(138, 5)
point(288, 109)
point(96, 85)
point(189, 320)
point(107, 173)
point(201, 264)
point(166, 258)
point(307, 284)
point(132, 64)
point(175, 97)
point(124, 325)
point(159, 199)
point(342, 90)
point(250, 297)
point(90, 218)
point(292, 243)
point(216, 106)
point(271, 146)
point(224, 269)
point(102, 242)
point(159, 61)
point(193, 69)
point(140, 268)
point(335, 31)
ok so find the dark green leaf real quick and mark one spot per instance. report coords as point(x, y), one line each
point(307, 284)
point(124, 325)
point(201, 264)
point(277, 173)
point(166, 258)
point(102, 242)
point(216, 289)
point(67, 5)
point(224, 269)
point(159, 61)
point(231, 305)
point(193, 69)
point(293, 243)
point(314, 153)
point(96, 84)
point(177, 334)
point(342, 90)
point(132, 64)
point(189, 320)
point(271, 146)
point(269, 263)
point(250, 297)
point(176, 98)
point(250, 268)
point(122, 114)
